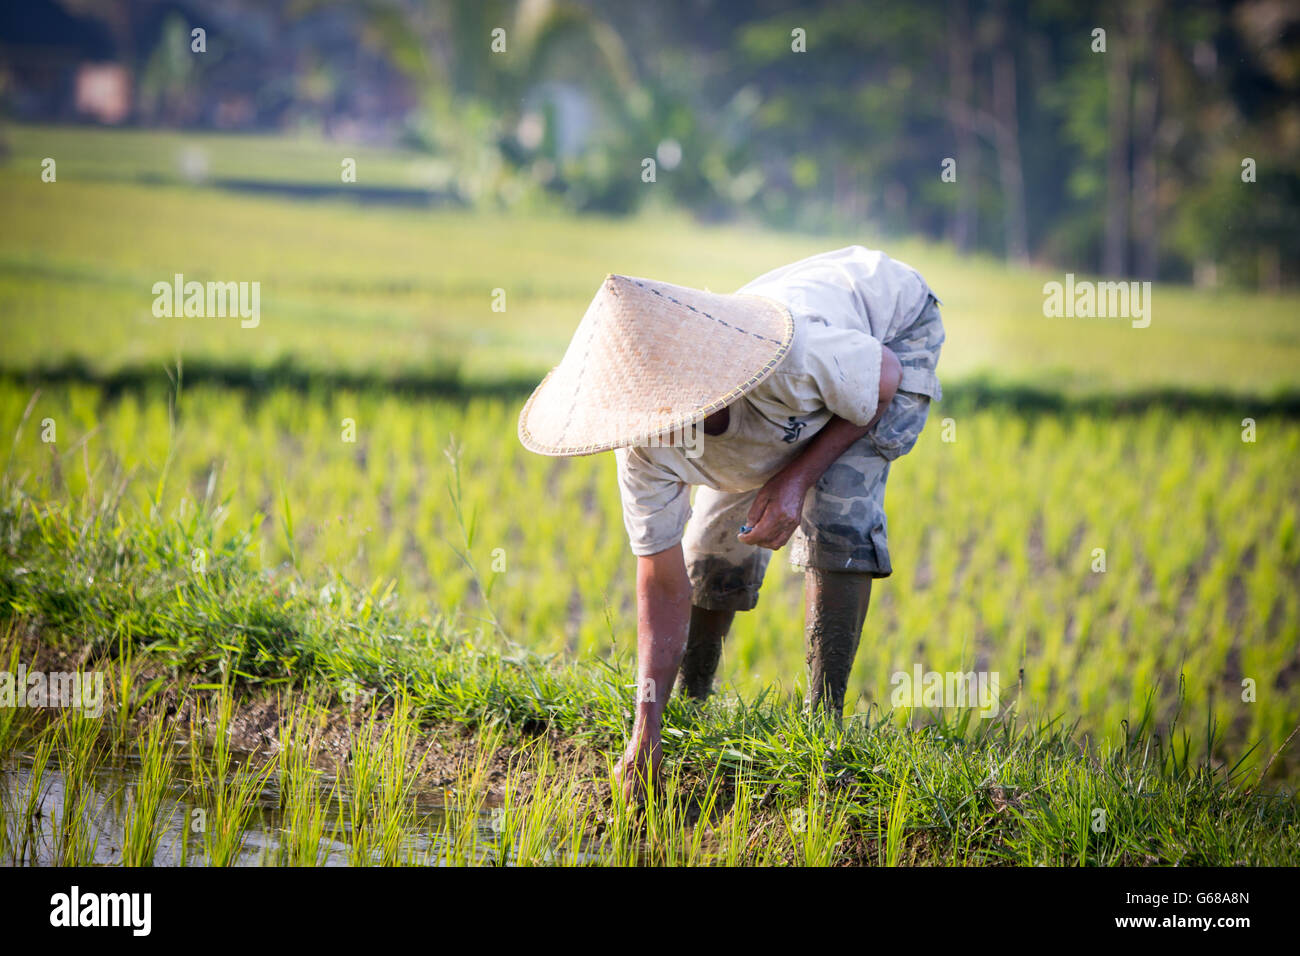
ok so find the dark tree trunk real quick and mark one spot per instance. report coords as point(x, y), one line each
point(964, 224)
point(1115, 252)
point(1010, 170)
point(1146, 91)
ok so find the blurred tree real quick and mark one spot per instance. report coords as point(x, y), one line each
point(168, 82)
point(831, 114)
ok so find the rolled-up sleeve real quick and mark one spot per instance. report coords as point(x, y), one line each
point(656, 503)
point(845, 366)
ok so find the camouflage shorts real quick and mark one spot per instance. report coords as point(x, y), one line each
point(843, 526)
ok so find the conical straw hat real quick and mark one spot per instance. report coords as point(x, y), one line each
point(651, 358)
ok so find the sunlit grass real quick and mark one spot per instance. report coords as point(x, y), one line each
point(392, 292)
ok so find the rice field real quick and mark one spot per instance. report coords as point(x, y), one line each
point(333, 507)
point(481, 297)
point(1091, 563)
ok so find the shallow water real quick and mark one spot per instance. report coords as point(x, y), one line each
point(113, 788)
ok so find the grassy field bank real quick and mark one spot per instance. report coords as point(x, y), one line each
point(350, 710)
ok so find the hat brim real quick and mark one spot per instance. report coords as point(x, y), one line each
point(619, 390)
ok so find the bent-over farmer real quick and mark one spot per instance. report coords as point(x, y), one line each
point(784, 403)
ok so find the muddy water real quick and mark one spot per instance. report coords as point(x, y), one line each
point(113, 787)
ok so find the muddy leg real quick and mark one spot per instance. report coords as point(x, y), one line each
point(703, 649)
point(836, 609)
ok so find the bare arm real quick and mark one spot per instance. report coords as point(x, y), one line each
point(663, 605)
point(776, 511)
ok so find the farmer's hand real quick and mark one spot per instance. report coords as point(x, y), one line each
point(777, 509)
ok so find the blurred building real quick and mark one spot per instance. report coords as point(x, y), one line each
point(102, 92)
point(263, 65)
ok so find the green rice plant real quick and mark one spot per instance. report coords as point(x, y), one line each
point(670, 839)
point(305, 810)
point(816, 828)
point(380, 802)
point(79, 756)
point(553, 823)
point(661, 821)
point(521, 825)
point(1009, 588)
point(394, 817)
point(17, 724)
point(227, 790)
point(28, 826)
point(143, 821)
point(736, 829)
point(362, 780)
point(461, 839)
point(574, 810)
point(896, 827)
point(621, 838)
point(377, 306)
point(8, 814)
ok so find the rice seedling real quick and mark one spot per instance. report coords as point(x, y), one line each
point(670, 837)
point(380, 786)
point(143, 821)
point(736, 829)
point(7, 815)
point(896, 825)
point(560, 825)
point(79, 756)
point(547, 814)
point(305, 805)
point(30, 800)
point(464, 836)
point(226, 790)
point(961, 791)
point(522, 827)
point(17, 724)
point(816, 828)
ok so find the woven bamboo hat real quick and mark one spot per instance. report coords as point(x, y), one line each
point(650, 358)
